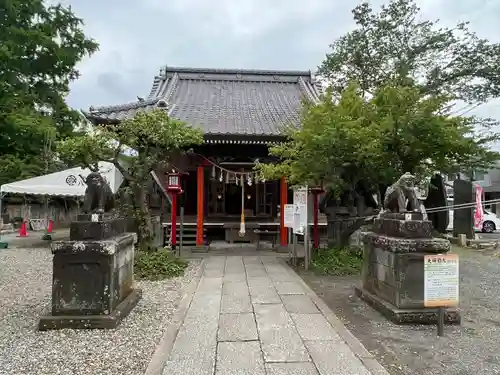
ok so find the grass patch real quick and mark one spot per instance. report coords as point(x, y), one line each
point(158, 265)
point(338, 262)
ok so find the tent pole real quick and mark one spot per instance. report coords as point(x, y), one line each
point(46, 212)
point(1, 214)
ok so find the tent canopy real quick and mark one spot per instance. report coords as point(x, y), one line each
point(67, 183)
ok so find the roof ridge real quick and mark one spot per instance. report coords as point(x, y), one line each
point(172, 69)
point(125, 106)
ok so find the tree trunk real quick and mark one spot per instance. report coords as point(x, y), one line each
point(142, 218)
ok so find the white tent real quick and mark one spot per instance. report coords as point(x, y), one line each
point(65, 183)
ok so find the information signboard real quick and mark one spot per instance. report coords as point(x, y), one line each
point(300, 198)
point(288, 215)
point(441, 280)
point(299, 218)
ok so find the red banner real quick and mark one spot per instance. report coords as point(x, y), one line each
point(478, 212)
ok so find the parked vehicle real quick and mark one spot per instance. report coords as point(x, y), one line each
point(490, 223)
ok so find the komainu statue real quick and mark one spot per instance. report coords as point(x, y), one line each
point(98, 195)
point(397, 195)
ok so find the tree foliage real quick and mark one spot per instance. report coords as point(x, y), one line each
point(155, 138)
point(346, 141)
point(395, 45)
point(40, 46)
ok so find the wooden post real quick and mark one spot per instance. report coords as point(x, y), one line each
point(200, 206)
point(283, 201)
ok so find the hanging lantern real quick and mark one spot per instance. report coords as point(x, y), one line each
point(174, 182)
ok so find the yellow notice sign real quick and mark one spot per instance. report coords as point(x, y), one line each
point(441, 280)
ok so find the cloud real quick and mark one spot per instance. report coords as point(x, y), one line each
point(138, 37)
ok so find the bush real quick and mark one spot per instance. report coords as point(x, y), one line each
point(338, 261)
point(158, 265)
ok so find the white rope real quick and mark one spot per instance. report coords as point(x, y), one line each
point(431, 210)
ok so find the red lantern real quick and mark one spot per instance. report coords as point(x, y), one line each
point(174, 183)
point(174, 188)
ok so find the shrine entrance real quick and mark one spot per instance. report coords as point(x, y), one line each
point(260, 200)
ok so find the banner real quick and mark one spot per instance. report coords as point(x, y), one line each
point(478, 212)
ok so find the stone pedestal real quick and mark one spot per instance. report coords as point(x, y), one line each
point(393, 269)
point(93, 275)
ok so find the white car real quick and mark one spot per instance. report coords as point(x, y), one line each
point(490, 223)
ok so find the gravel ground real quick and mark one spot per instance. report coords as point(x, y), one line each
point(25, 287)
point(472, 348)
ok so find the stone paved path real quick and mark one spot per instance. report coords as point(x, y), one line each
point(251, 316)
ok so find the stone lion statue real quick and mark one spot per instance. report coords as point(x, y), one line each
point(98, 195)
point(397, 195)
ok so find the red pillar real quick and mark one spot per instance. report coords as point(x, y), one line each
point(315, 216)
point(200, 205)
point(174, 220)
point(283, 201)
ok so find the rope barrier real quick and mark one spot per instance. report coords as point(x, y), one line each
point(430, 210)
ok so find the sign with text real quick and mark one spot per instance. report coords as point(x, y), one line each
point(300, 198)
point(441, 280)
point(288, 215)
point(299, 218)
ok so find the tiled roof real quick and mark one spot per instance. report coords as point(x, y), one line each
point(224, 101)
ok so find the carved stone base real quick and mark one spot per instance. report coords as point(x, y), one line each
point(407, 316)
point(109, 321)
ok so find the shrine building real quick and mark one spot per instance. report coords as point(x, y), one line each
point(241, 113)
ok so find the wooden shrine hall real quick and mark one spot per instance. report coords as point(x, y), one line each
point(241, 113)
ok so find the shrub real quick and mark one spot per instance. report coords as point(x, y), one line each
point(338, 261)
point(158, 265)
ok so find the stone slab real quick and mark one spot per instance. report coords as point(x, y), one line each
point(333, 357)
point(239, 358)
point(232, 304)
point(85, 230)
point(264, 295)
point(110, 321)
point(403, 228)
point(256, 272)
point(200, 249)
point(299, 304)
point(191, 366)
point(278, 335)
point(314, 327)
point(235, 277)
point(407, 245)
point(238, 288)
point(263, 281)
point(407, 316)
point(237, 327)
point(288, 287)
point(281, 276)
point(293, 368)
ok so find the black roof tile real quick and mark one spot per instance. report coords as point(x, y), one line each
point(224, 101)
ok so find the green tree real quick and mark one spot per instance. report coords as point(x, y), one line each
point(396, 45)
point(156, 139)
point(343, 142)
point(40, 46)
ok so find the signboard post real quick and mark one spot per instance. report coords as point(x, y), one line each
point(300, 199)
point(288, 221)
point(441, 284)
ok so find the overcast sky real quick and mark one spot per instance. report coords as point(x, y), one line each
point(137, 37)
